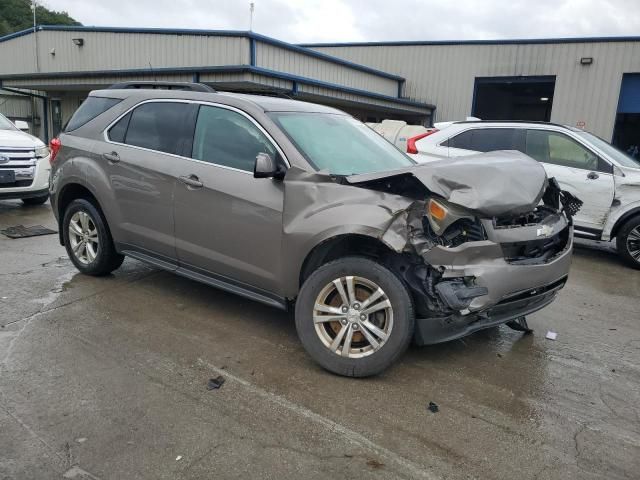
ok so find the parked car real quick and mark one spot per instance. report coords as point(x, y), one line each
point(301, 206)
point(400, 133)
point(606, 179)
point(24, 165)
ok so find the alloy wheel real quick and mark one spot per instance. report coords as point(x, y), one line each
point(83, 237)
point(633, 243)
point(353, 317)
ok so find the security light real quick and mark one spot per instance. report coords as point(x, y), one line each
point(544, 99)
point(586, 60)
point(78, 41)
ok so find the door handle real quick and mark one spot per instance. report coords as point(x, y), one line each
point(113, 157)
point(191, 181)
point(592, 175)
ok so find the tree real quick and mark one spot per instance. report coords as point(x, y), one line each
point(16, 15)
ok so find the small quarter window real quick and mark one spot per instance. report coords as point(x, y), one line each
point(118, 132)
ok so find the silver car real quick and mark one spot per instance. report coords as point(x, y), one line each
point(301, 206)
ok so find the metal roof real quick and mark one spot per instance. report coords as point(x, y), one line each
point(514, 41)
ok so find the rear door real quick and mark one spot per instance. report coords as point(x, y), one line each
point(579, 171)
point(140, 159)
point(228, 223)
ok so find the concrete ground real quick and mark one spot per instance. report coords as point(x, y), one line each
point(106, 378)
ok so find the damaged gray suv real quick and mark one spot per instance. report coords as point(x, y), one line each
point(301, 206)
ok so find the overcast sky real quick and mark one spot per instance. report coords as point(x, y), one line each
point(370, 20)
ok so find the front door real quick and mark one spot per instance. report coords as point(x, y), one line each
point(140, 161)
point(227, 222)
point(579, 171)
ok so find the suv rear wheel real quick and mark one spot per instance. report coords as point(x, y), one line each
point(88, 240)
point(354, 317)
point(628, 242)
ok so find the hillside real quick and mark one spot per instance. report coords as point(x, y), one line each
point(16, 15)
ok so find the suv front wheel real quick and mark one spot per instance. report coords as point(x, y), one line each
point(628, 242)
point(88, 240)
point(354, 317)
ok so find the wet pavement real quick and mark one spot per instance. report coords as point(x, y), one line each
point(107, 378)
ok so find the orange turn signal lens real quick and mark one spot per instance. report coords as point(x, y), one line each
point(436, 210)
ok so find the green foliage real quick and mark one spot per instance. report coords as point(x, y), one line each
point(16, 15)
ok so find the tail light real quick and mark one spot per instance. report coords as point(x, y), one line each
point(411, 142)
point(54, 145)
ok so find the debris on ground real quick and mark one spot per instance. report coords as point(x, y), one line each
point(373, 463)
point(520, 325)
point(215, 383)
point(178, 458)
point(433, 407)
point(20, 231)
point(551, 335)
point(81, 439)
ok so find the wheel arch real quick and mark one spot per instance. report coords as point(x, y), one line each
point(342, 245)
point(68, 193)
point(624, 218)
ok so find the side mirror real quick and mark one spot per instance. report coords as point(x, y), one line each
point(22, 125)
point(266, 167)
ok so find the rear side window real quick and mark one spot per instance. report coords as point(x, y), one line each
point(486, 139)
point(225, 137)
point(161, 126)
point(90, 109)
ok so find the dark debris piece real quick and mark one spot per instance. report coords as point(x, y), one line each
point(20, 231)
point(215, 383)
point(433, 407)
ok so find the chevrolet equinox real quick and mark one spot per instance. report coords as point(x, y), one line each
point(301, 206)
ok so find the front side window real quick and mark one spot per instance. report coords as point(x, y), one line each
point(90, 109)
point(558, 149)
point(161, 126)
point(339, 144)
point(227, 138)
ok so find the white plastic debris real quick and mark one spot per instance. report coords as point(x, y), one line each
point(551, 335)
point(178, 458)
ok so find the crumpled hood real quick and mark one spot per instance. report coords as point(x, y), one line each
point(489, 184)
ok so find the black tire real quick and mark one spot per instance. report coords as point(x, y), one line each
point(399, 336)
point(107, 259)
point(35, 200)
point(626, 241)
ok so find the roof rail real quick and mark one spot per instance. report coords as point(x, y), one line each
point(150, 85)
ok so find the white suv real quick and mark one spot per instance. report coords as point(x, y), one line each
point(24, 165)
point(604, 178)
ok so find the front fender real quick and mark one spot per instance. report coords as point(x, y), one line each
point(317, 208)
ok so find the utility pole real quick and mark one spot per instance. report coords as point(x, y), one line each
point(35, 35)
point(251, 8)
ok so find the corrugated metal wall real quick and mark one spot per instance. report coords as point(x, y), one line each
point(108, 51)
point(15, 106)
point(445, 74)
point(294, 63)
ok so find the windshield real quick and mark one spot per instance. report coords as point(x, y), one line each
point(5, 124)
point(340, 144)
point(618, 155)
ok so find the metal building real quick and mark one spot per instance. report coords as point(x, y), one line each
point(59, 65)
point(592, 83)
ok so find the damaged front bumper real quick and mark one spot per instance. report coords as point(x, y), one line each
point(512, 289)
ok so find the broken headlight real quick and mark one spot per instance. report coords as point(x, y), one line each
point(450, 225)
